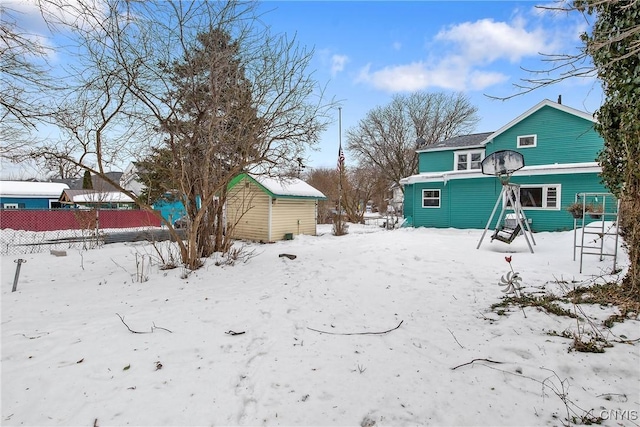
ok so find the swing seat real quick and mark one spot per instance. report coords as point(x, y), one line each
point(506, 234)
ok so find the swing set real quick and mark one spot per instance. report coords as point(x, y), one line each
point(502, 164)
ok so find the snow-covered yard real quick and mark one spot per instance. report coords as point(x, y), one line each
point(378, 327)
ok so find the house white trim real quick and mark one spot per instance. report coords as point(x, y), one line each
point(555, 169)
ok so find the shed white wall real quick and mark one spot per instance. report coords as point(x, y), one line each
point(248, 212)
point(254, 215)
point(295, 216)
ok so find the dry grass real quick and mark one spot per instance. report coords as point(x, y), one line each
point(608, 294)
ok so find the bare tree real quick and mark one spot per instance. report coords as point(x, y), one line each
point(23, 78)
point(563, 66)
point(388, 136)
point(123, 98)
point(363, 184)
point(326, 181)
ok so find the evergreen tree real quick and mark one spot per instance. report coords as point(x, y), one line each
point(214, 135)
point(87, 184)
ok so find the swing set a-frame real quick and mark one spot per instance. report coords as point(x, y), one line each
point(502, 164)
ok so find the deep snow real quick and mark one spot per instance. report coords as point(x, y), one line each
point(68, 359)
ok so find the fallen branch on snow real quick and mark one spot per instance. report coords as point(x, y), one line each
point(357, 333)
point(153, 328)
point(475, 360)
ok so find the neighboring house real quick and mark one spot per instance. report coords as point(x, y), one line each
point(130, 179)
point(559, 145)
point(396, 200)
point(98, 183)
point(96, 199)
point(269, 209)
point(30, 195)
point(170, 207)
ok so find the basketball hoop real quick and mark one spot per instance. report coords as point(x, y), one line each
point(502, 164)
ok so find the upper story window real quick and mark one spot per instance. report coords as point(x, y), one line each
point(527, 141)
point(467, 160)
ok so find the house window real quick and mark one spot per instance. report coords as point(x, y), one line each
point(527, 141)
point(539, 197)
point(467, 160)
point(430, 198)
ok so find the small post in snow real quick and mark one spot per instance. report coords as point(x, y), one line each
point(19, 261)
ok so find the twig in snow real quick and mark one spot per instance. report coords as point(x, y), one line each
point(356, 333)
point(454, 337)
point(130, 330)
point(561, 391)
point(475, 360)
point(158, 327)
point(154, 327)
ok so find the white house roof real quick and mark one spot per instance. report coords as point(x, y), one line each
point(102, 197)
point(288, 187)
point(555, 169)
point(30, 189)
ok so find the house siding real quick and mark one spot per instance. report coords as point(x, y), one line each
point(28, 202)
point(561, 138)
point(472, 201)
point(431, 217)
point(171, 211)
point(467, 203)
point(464, 203)
point(292, 216)
point(248, 212)
point(572, 184)
point(436, 161)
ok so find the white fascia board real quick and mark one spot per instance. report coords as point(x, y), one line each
point(469, 147)
point(555, 169)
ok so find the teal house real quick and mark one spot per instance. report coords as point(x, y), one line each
point(559, 145)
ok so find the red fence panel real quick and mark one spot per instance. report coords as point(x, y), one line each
point(128, 219)
point(68, 219)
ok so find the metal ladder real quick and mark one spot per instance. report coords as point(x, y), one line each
point(608, 209)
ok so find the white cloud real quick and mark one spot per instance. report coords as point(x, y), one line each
point(449, 74)
point(337, 63)
point(468, 50)
point(28, 16)
point(29, 12)
point(397, 45)
point(478, 80)
point(485, 41)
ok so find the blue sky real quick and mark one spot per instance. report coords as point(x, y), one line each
point(366, 51)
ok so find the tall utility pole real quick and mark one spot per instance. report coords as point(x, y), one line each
point(340, 166)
